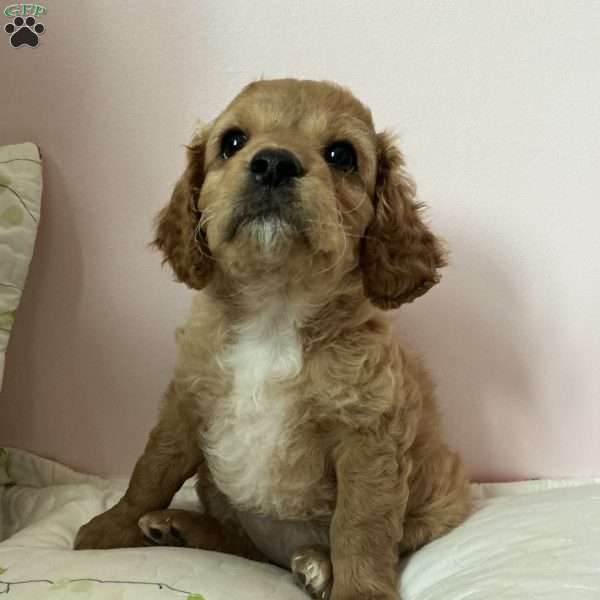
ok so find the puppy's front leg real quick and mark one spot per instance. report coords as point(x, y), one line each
point(171, 456)
point(367, 521)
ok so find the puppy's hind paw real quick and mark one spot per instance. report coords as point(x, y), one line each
point(312, 571)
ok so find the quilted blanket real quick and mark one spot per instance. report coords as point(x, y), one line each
point(20, 197)
point(529, 540)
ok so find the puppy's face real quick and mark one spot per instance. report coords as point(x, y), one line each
point(291, 180)
point(289, 168)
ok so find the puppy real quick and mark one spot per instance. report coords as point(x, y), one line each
point(313, 433)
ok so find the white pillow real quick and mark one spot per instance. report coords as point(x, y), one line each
point(20, 198)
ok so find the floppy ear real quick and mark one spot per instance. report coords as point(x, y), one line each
point(399, 254)
point(178, 232)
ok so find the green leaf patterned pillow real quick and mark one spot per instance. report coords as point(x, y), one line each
point(20, 198)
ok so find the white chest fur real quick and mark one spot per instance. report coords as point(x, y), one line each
point(249, 426)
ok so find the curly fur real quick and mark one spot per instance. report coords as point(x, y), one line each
point(400, 257)
point(305, 419)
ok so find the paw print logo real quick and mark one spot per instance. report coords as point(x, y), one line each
point(24, 32)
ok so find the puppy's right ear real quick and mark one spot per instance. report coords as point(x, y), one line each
point(178, 232)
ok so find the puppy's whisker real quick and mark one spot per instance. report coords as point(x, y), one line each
point(205, 219)
point(355, 208)
point(342, 254)
point(334, 226)
point(349, 234)
point(194, 240)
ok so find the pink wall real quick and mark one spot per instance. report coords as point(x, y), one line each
point(498, 113)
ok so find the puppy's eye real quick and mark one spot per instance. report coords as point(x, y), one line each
point(233, 141)
point(342, 156)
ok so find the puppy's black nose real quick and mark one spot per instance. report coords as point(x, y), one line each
point(273, 167)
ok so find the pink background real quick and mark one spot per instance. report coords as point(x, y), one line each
point(497, 108)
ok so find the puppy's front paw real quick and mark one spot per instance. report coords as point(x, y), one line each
point(167, 527)
point(311, 568)
point(112, 529)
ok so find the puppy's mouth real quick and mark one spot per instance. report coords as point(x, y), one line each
point(269, 213)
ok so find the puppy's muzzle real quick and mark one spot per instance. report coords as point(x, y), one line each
point(270, 197)
point(273, 167)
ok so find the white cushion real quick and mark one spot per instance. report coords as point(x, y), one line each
point(532, 540)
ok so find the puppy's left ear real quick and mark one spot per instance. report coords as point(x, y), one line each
point(400, 257)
